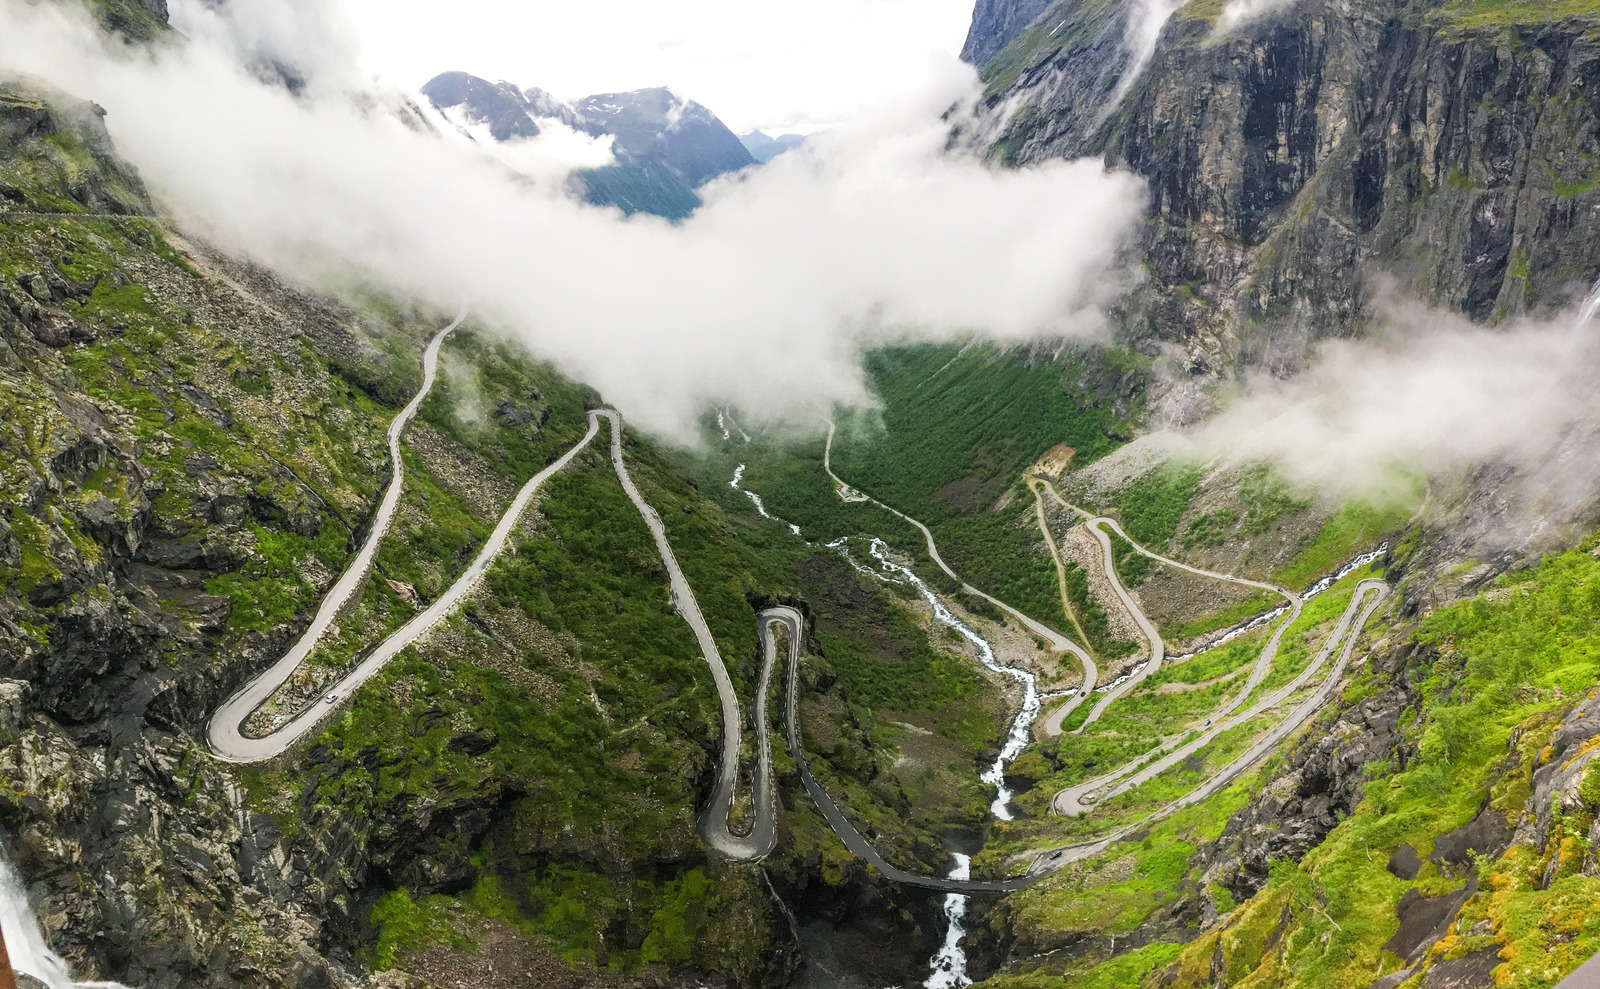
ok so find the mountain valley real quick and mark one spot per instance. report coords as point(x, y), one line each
point(1011, 674)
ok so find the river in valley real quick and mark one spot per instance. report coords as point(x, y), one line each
point(949, 965)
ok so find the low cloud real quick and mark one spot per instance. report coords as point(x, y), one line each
point(1238, 13)
point(1431, 394)
point(763, 299)
point(305, 43)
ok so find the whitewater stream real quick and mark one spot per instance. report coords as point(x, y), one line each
point(950, 963)
point(755, 499)
point(1022, 726)
point(25, 942)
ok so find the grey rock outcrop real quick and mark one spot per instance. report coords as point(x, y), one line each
point(1302, 163)
point(665, 146)
point(499, 105)
point(38, 122)
point(995, 23)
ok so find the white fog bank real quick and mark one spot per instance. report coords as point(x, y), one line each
point(1433, 394)
point(763, 299)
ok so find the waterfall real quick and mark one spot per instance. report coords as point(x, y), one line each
point(755, 499)
point(30, 955)
point(1591, 305)
point(1141, 35)
point(950, 964)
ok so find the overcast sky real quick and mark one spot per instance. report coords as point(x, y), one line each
point(756, 63)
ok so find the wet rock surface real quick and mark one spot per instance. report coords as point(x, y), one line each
point(1301, 163)
point(1424, 919)
point(1319, 783)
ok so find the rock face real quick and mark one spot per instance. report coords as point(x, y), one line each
point(1319, 783)
point(995, 23)
point(500, 105)
point(189, 452)
point(685, 136)
point(666, 146)
point(65, 141)
point(1302, 162)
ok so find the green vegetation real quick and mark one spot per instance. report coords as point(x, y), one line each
point(1357, 525)
point(1467, 14)
point(493, 399)
point(921, 680)
point(1110, 894)
point(1091, 615)
point(1152, 506)
point(1133, 567)
point(1202, 10)
point(1062, 26)
point(959, 427)
point(1210, 529)
point(404, 922)
point(1267, 497)
point(1231, 656)
point(572, 684)
point(1233, 614)
point(270, 589)
point(1499, 670)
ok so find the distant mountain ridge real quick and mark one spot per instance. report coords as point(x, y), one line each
point(665, 146)
point(764, 147)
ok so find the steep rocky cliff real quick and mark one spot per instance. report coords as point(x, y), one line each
point(1297, 162)
point(995, 23)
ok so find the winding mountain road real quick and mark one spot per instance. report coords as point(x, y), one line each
point(792, 622)
point(714, 821)
point(229, 743)
point(1052, 723)
point(1097, 524)
point(1053, 859)
point(1058, 642)
point(1076, 799)
point(1147, 628)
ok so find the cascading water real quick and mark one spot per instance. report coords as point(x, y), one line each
point(755, 499)
point(1020, 728)
point(24, 942)
point(1141, 34)
point(1266, 618)
point(950, 964)
point(1591, 305)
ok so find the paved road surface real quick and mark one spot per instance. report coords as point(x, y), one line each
point(1097, 525)
point(1076, 799)
point(226, 740)
point(229, 743)
point(1057, 641)
point(1051, 725)
point(791, 621)
point(714, 821)
point(1056, 858)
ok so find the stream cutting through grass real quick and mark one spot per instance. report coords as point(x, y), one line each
point(950, 963)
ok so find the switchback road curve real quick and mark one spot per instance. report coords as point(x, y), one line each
point(1058, 642)
point(230, 744)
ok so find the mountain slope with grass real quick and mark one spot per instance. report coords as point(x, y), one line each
point(194, 450)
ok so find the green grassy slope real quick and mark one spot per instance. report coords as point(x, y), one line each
point(959, 426)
